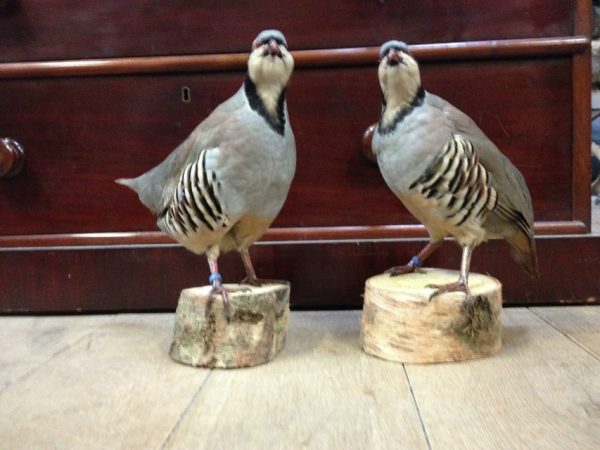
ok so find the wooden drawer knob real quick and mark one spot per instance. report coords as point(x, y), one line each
point(367, 140)
point(12, 157)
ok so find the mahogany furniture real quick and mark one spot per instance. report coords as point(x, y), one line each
point(95, 92)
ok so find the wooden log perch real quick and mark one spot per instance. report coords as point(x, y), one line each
point(254, 335)
point(400, 322)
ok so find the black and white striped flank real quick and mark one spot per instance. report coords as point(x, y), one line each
point(196, 201)
point(459, 182)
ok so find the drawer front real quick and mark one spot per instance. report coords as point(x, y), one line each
point(60, 29)
point(82, 133)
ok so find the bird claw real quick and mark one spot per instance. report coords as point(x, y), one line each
point(401, 270)
point(261, 281)
point(440, 289)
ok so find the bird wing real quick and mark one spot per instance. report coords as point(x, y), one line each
point(196, 201)
point(512, 214)
point(514, 199)
point(457, 183)
point(155, 187)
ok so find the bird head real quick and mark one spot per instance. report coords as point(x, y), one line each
point(270, 64)
point(399, 75)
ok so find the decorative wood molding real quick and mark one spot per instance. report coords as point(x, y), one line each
point(508, 48)
point(581, 120)
point(295, 234)
point(323, 274)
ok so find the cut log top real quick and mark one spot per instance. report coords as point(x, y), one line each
point(416, 286)
point(401, 323)
point(239, 290)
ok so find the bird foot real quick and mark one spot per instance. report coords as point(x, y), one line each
point(261, 281)
point(401, 270)
point(440, 289)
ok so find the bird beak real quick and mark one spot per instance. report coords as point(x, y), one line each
point(273, 48)
point(394, 58)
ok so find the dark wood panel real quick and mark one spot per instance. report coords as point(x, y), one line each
point(61, 29)
point(82, 133)
point(323, 275)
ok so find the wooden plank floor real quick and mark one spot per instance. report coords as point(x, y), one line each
point(107, 382)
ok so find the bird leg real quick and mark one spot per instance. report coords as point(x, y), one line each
point(251, 277)
point(416, 261)
point(462, 285)
point(216, 281)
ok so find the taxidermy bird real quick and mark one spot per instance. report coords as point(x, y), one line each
point(221, 188)
point(446, 171)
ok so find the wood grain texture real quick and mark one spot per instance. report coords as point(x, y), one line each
point(107, 372)
point(251, 331)
point(581, 117)
point(93, 393)
point(582, 325)
point(402, 322)
point(522, 86)
point(35, 29)
point(541, 392)
point(338, 57)
point(337, 233)
point(323, 275)
point(582, 78)
point(27, 343)
point(89, 139)
point(320, 392)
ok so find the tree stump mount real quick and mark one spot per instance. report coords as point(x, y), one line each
point(401, 323)
point(254, 334)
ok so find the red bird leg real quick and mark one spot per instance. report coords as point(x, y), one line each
point(217, 284)
point(251, 277)
point(416, 261)
point(462, 284)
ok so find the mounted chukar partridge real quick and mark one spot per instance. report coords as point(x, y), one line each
point(221, 188)
point(446, 171)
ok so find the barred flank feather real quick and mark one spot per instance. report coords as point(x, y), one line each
point(196, 201)
point(463, 189)
point(459, 181)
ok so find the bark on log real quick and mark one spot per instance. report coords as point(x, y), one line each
point(255, 333)
point(401, 323)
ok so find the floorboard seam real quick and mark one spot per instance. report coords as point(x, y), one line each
point(414, 399)
point(184, 412)
point(569, 337)
point(38, 366)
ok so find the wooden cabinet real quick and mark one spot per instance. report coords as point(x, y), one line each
point(98, 91)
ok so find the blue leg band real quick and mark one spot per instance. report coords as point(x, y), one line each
point(415, 261)
point(214, 277)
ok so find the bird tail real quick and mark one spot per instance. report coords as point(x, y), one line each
point(146, 194)
point(524, 252)
point(129, 182)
